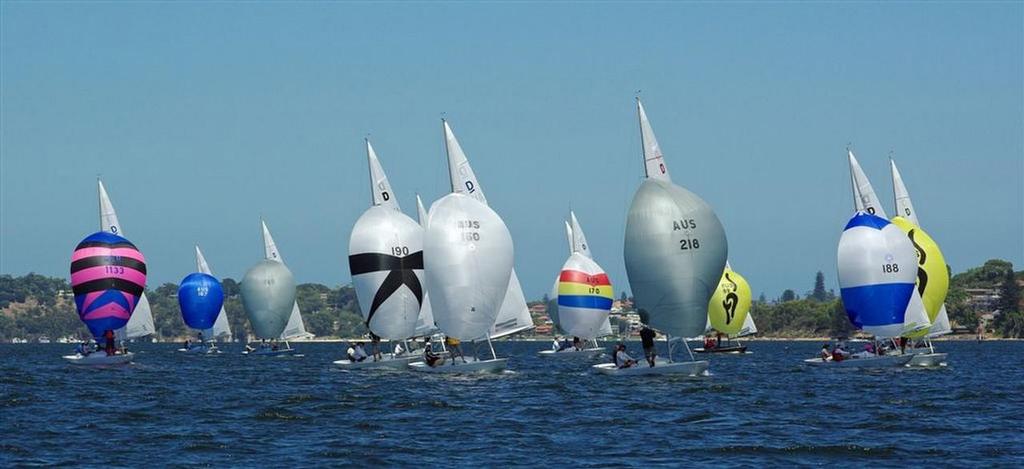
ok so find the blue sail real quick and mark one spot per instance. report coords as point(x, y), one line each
point(200, 297)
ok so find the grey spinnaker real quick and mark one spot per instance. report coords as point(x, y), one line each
point(268, 293)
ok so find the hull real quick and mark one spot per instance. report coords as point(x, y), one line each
point(99, 359)
point(928, 360)
point(387, 361)
point(571, 353)
point(270, 353)
point(496, 365)
point(732, 349)
point(201, 349)
point(885, 361)
point(696, 368)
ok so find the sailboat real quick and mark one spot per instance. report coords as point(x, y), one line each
point(201, 299)
point(141, 323)
point(220, 330)
point(728, 313)
point(268, 297)
point(108, 276)
point(386, 261)
point(867, 201)
point(675, 252)
point(468, 257)
point(932, 274)
point(583, 297)
point(876, 279)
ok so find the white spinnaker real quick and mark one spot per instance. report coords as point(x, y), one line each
point(425, 326)
point(584, 321)
point(379, 184)
point(140, 324)
point(386, 262)
point(863, 193)
point(295, 328)
point(904, 207)
point(654, 161)
point(220, 328)
point(468, 263)
point(514, 316)
point(579, 240)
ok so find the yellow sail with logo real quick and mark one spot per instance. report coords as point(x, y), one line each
point(932, 274)
point(730, 304)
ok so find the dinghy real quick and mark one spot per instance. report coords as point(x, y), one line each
point(675, 252)
point(268, 297)
point(468, 257)
point(201, 299)
point(100, 359)
point(386, 262)
point(876, 278)
point(108, 276)
point(141, 322)
point(221, 329)
point(932, 274)
point(583, 297)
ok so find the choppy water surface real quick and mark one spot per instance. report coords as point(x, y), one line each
point(228, 410)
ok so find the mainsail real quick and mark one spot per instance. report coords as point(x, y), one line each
point(386, 261)
point(675, 248)
point(864, 196)
point(221, 329)
point(141, 322)
point(514, 316)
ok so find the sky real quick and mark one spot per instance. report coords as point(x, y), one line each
point(202, 117)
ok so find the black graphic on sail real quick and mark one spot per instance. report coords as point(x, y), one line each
point(922, 276)
point(400, 273)
point(731, 300)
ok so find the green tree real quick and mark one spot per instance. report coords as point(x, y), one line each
point(1008, 304)
point(788, 295)
point(819, 292)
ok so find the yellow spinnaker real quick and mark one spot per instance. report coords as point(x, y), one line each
point(730, 304)
point(932, 274)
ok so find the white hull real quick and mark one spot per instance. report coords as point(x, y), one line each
point(696, 368)
point(201, 349)
point(884, 361)
point(387, 361)
point(928, 360)
point(496, 365)
point(100, 359)
point(270, 353)
point(572, 353)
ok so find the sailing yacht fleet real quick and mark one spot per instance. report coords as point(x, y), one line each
point(450, 274)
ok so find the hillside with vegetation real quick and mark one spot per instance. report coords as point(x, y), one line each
point(33, 306)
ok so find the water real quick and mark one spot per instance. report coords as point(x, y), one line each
point(765, 408)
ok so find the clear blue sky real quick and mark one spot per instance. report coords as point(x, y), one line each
point(203, 116)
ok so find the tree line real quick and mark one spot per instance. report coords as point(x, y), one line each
point(34, 305)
